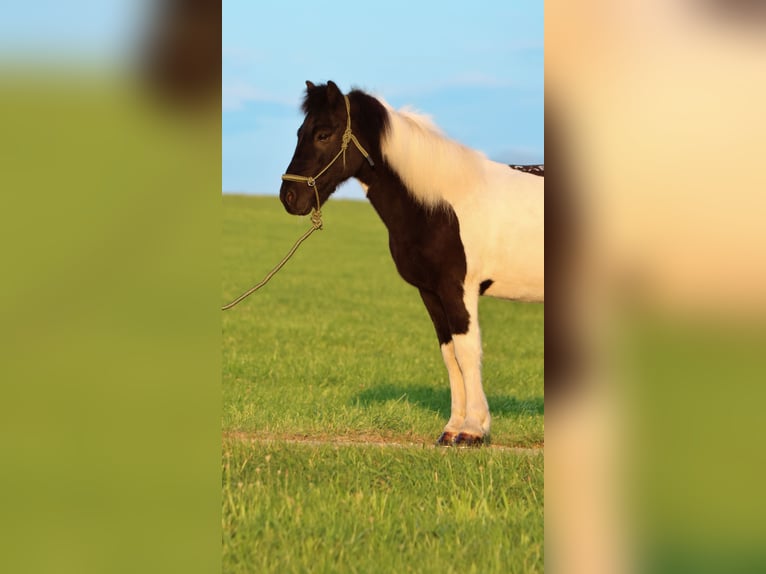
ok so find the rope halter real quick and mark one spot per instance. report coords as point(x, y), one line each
point(348, 136)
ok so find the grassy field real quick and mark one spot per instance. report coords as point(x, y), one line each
point(338, 347)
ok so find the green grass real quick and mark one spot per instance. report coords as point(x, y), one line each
point(337, 346)
point(372, 509)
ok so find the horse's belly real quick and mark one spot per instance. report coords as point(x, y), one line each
point(516, 290)
point(515, 266)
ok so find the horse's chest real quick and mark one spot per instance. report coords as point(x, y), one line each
point(425, 243)
point(426, 258)
point(413, 267)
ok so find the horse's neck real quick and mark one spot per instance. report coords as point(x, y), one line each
point(400, 212)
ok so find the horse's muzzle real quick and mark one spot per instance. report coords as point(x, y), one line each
point(295, 203)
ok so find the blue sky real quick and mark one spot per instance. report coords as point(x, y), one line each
point(475, 68)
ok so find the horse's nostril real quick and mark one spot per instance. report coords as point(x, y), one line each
point(290, 197)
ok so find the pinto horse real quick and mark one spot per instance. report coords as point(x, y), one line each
point(459, 225)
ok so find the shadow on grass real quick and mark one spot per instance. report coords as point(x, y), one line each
point(438, 400)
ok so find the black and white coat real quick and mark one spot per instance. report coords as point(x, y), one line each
point(459, 225)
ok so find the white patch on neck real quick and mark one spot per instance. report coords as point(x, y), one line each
point(432, 167)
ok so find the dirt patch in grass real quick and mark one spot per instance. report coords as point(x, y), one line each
point(359, 440)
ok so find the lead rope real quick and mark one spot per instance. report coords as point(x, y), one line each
point(316, 224)
point(316, 213)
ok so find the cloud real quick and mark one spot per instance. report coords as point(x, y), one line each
point(478, 79)
point(470, 80)
point(234, 96)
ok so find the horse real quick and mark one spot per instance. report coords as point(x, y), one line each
point(459, 225)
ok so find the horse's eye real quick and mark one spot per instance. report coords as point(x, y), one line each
point(323, 136)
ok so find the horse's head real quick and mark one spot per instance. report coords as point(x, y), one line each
point(323, 158)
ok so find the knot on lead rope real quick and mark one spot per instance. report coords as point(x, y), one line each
point(316, 218)
point(316, 213)
point(347, 135)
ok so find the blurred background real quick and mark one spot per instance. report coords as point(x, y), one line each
point(654, 434)
point(110, 175)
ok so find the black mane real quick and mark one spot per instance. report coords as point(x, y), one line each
point(369, 117)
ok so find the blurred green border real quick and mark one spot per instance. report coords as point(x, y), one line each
point(109, 303)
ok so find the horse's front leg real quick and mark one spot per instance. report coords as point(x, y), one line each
point(463, 313)
point(457, 393)
point(457, 388)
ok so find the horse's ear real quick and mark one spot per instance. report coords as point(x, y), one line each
point(310, 85)
point(333, 92)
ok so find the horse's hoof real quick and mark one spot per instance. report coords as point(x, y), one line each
point(467, 440)
point(446, 439)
